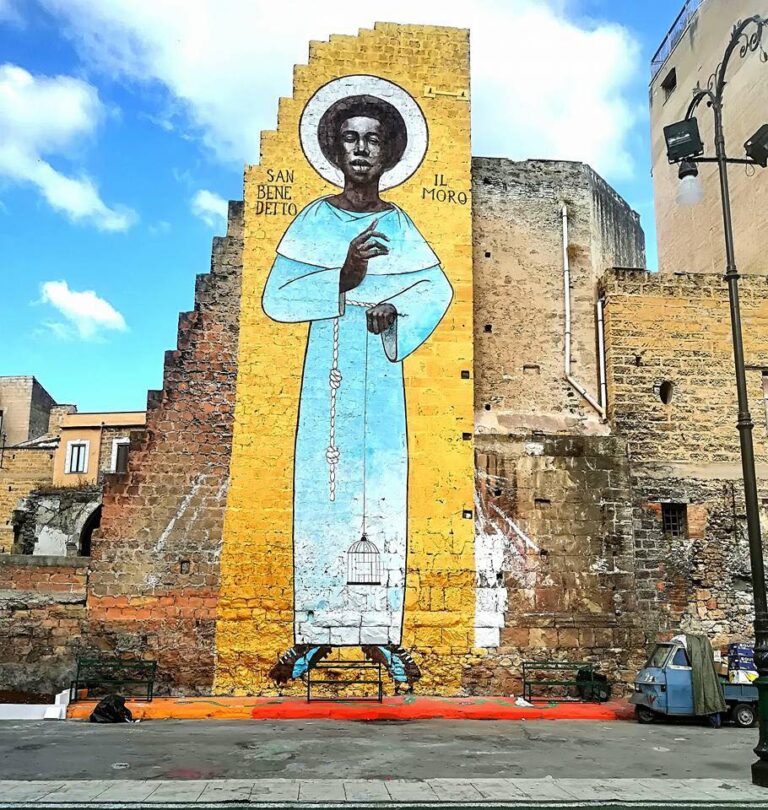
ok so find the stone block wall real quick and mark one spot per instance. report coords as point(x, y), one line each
point(554, 556)
point(675, 329)
point(700, 583)
point(22, 470)
point(26, 408)
point(42, 620)
point(519, 298)
point(154, 585)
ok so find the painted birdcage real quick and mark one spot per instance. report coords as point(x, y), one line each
point(363, 563)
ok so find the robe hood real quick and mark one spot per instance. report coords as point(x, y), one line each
point(321, 233)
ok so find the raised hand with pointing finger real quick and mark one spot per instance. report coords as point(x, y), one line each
point(362, 248)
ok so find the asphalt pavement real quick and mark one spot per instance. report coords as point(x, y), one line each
point(409, 750)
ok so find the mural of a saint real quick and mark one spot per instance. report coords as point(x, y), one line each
point(357, 269)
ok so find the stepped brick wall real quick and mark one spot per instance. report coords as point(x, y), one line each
point(155, 558)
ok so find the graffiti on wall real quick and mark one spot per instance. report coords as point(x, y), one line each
point(356, 268)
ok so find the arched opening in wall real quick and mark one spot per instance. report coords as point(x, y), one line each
point(93, 522)
point(666, 391)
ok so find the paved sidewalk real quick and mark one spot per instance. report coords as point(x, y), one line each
point(515, 793)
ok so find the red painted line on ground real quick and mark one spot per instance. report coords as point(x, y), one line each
point(393, 708)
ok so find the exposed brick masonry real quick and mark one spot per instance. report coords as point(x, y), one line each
point(156, 556)
point(42, 620)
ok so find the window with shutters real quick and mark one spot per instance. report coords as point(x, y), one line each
point(77, 457)
point(120, 455)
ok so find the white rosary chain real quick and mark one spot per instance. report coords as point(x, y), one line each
point(332, 453)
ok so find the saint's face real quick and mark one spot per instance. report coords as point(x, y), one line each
point(362, 150)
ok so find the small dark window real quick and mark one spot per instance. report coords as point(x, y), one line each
point(121, 459)
point(666, 392)
point(669, 83)
point(489, 327)
point(465, 374)
point(675, 519)
point(487, 254)
point(680, 658)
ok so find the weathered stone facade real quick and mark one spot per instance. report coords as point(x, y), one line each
point(25, 408)
point(56, 522)
point(42, 620)
point(517, 226)
point(560, 581)
point(675, 329)
point(23, 470)
point(555, 554)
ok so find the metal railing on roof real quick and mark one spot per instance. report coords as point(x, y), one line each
point(674, 35)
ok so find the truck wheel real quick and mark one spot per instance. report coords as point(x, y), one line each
point(744, 715)
point(644, 715)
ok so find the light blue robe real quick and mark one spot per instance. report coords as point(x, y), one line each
point(360, 484)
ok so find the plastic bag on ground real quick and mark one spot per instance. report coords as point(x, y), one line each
point(111, 709)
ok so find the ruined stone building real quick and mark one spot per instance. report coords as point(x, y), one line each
point(571, 458)
point(53, 464)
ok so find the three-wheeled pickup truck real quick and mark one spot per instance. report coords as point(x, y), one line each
point(664, 687)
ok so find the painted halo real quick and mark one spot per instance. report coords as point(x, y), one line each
point(362, 85)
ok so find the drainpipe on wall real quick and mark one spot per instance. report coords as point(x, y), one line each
point(598, 406)
point(600, 307)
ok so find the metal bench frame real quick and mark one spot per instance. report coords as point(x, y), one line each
point(115, 672)
point(346, 665)
point(556, 667)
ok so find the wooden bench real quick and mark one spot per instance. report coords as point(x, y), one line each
point(113, 673)
point(589, 686)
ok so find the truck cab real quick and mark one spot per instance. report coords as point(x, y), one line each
point(664, 686)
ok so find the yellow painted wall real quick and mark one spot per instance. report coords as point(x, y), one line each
point(255, 614)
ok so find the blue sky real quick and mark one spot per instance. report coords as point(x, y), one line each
point(130, 122)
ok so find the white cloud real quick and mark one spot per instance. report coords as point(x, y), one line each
point(86, 313)
point(543, 85)
point(9, 12)
point(44, 116)
point(211, 208)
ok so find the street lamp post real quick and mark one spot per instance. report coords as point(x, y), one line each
point(684, 146)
